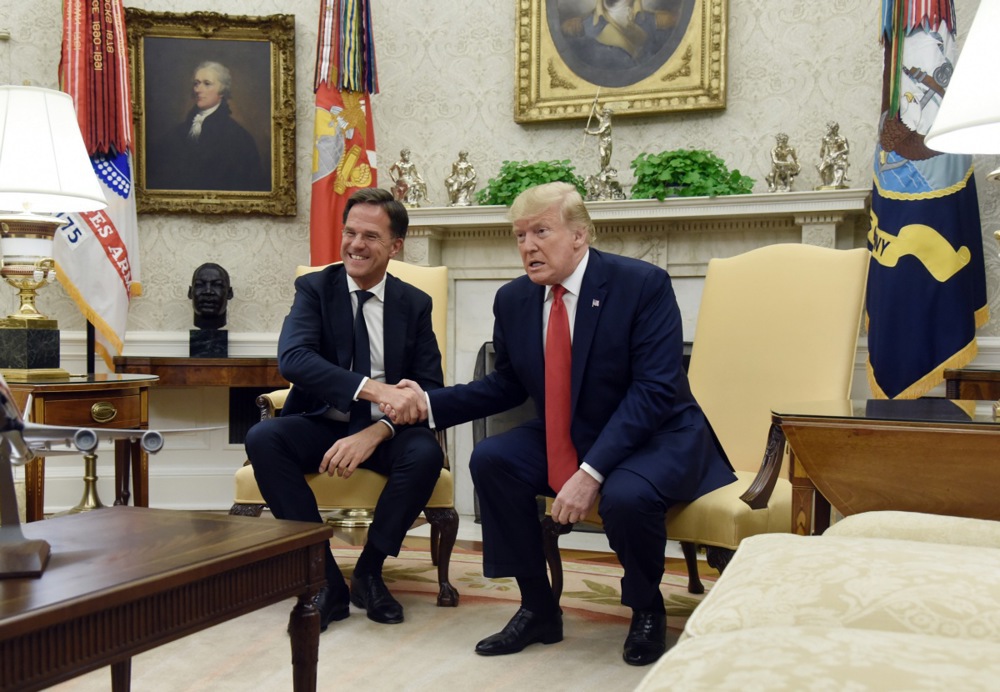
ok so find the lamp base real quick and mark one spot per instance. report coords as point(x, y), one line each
point(29, 349)
point(22, 558)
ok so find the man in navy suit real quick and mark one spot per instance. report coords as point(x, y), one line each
point(331, 423)
point(636, 436)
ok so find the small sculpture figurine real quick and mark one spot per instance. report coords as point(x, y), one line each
point(409, 188)
point(462, 181)
point(604, 185)
point(833, 159)
point(784, 165)
point(210, 293)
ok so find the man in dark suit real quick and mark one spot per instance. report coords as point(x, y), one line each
point(331, 423)
point(624, 421)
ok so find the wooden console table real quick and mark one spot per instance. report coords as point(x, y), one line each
point(206, 372)
point(972, 383)
point(123, 580)
point(73, 402)
point(920, 455)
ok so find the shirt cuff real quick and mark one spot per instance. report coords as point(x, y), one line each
point(592, 472)
point(430, 413)
point(361, 386)
point(392, 428)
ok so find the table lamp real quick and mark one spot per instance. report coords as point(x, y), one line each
point(44, 170)
point(968, 121)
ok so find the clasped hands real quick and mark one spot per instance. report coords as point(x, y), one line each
point(404, 403)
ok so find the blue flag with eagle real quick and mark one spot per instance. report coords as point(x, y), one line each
point(926, 278)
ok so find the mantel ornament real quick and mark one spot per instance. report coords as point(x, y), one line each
point(604, 185)
point(408, 186)
point(784, 165)
point(833, 159)
point(462, 181)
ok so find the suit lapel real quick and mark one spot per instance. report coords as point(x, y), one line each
point(588, 311)
point(394, 318)
point(343, 322)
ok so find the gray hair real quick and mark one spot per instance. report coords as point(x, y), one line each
point(222, 72)
point(535, 200)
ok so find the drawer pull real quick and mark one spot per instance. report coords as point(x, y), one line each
point(103, 412)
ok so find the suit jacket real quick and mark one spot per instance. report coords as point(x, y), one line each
point(631, 403)
point(317, 338)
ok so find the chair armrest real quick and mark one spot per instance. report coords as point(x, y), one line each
point(759, 493)
point(271, 403)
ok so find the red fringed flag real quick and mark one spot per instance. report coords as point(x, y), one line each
point(344, 137)
point(97, 253)
point(926, 278)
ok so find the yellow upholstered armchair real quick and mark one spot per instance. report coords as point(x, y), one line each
point(776, 325)
point(362, 489)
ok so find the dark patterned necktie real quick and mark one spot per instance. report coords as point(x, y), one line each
point(361, 410)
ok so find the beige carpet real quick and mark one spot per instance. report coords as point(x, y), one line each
point(431, 650)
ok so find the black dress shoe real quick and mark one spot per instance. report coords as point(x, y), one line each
point(523, 629)
point(370, 592)
point(331, 608)
point(647, 638)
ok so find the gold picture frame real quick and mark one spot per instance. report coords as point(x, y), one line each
point(242, 159)
point(670, 56)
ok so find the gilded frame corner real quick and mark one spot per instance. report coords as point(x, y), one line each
point(261, 51)
point(559, 75)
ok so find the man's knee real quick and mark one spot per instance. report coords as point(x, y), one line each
point(260, 438)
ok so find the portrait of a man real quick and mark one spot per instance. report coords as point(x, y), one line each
point(616, 43)
point(208, 120)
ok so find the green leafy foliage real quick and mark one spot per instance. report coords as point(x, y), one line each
point(686, 173)
point(517, 176)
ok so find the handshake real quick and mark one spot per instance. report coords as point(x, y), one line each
point(404, 403)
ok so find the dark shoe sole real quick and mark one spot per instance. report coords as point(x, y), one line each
point(643, 660)
point(547, 639)
point(374, 617)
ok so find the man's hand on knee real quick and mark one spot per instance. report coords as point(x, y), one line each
point(574, 501)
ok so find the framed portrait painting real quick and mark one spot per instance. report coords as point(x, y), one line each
point(213, 101)
point(639, 56)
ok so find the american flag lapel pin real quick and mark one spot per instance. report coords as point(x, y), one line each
point(595, 303)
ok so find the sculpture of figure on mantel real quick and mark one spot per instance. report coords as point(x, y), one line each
point(833, 159)
point(784, 165)
point(604, 185)
point(408, 187)
point(462, 181)
point(210, 292)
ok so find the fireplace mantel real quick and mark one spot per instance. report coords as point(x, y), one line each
point(680, 234)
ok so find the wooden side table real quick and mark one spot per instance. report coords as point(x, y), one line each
point(972, 383)
point(94, 401)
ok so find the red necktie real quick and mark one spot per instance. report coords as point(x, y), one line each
point(558, 368)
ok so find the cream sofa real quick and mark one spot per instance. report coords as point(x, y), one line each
point(881, 601)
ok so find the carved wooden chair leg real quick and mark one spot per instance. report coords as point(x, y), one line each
point(435, 544)
point(718, 557)
point(445, 520)
point(691, 560)
point(240, 510)
point(551, 531)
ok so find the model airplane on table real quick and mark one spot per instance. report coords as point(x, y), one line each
point(20, 442)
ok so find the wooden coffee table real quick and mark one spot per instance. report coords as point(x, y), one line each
point(937, 456)
point(123, 580)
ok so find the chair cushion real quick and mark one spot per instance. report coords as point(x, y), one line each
point(360, 491)
point(881, 584)
point(722, 519)
point(915, 526)
point(817, 658)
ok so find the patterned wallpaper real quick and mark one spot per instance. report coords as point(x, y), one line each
point(447, 83)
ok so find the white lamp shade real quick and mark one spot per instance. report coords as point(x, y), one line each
point(44, 166)
point(969, 119)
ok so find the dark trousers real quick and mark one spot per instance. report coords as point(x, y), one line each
point(283, 449)
point(509, 470)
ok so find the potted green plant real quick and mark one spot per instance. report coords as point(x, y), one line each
point(686, 173)
point(517, 176)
